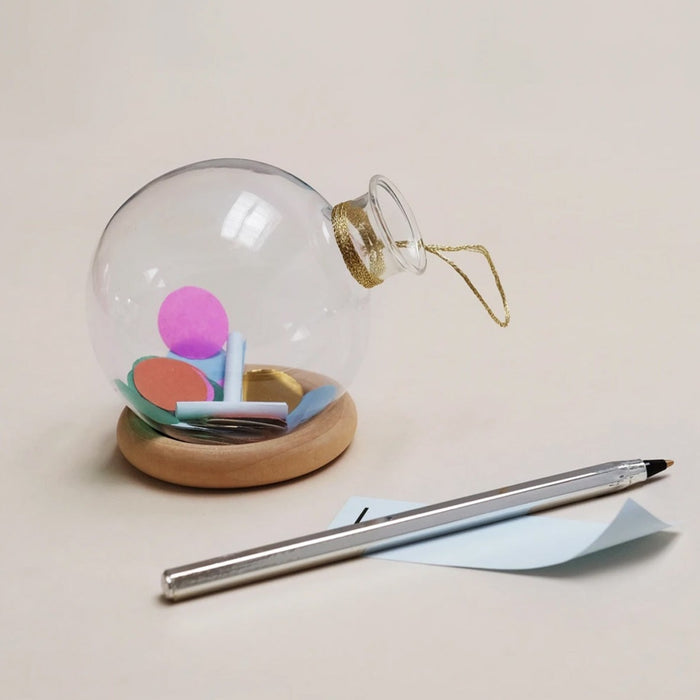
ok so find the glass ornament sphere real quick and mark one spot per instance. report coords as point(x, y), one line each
point(234, 245)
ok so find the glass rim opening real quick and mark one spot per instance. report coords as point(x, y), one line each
point(409, 252)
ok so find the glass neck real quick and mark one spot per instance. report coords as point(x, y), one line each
point(378, 235)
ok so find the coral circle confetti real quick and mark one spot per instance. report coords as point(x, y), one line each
point(213, 367)
point(164, 382)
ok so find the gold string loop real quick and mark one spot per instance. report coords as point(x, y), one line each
point(438, 250)
point(371, 273)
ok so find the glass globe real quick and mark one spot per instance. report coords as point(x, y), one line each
point(228, 246)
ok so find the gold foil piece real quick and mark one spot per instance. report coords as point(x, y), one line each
point(267, 384)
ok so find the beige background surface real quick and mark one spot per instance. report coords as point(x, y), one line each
point(564, 136)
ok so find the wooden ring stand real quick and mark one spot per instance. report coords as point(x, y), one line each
point(309, 447)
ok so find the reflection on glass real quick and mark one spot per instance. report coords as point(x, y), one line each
point(250, 221)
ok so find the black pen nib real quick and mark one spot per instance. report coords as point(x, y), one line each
point(654, 466)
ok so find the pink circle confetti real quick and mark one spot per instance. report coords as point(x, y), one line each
point(193, 323)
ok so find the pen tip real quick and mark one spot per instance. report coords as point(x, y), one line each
point(654, 466)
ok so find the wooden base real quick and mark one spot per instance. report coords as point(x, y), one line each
point(311, 446)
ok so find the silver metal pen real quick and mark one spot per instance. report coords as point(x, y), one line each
point(408, 526)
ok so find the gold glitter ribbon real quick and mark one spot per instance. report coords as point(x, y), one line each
point(371, 275)
point(340, 216)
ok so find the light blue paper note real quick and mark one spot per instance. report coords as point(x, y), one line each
point(528, 542)
point(312, 403)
